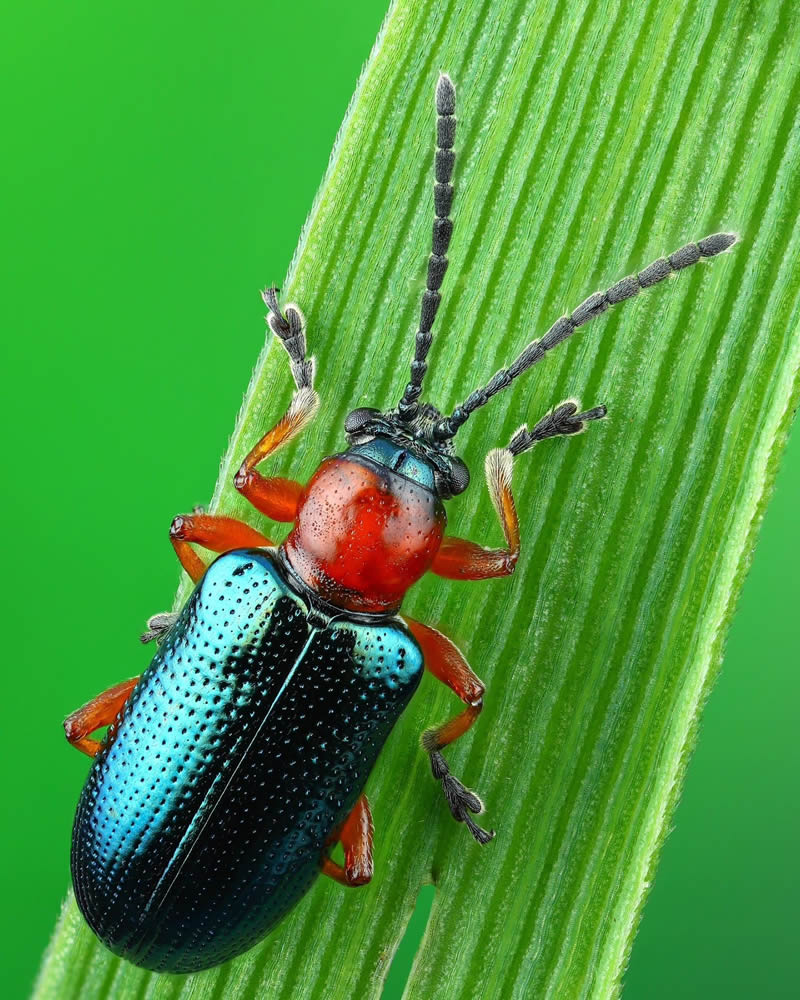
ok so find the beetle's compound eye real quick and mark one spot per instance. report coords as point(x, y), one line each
point(459, 478)
point(452, 482)
point(357, 419)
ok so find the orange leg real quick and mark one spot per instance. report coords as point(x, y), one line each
point(460, 559)
point(274, 496)
point(100, 711)
point(356, 838)
point(444, 660)
point(220, 534)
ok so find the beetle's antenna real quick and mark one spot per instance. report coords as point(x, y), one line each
point(444, 160)
point(567, 325)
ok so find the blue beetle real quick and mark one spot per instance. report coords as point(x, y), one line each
point(239, 758)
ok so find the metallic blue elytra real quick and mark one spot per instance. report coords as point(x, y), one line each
point(246, 742)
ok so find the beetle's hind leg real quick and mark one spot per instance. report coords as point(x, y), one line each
point(100, 711)
point(444, 660)
point(461, 800)
point(355, 835)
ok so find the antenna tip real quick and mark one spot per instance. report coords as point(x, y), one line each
point(717, 243)
point(445, 95)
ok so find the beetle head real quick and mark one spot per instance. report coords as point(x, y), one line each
point(409, 447)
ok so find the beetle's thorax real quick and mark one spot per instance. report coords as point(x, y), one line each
point(363, 534)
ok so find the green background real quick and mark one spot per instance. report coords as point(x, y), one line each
point(160, 161)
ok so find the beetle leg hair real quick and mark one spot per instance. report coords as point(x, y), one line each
point(445, 661)
point(276, 497)
point(100, 711)
point(356, 835)
point(214, 532)
point(158, 626)
point(460, 559)
point(563, 419)
point(290, 329)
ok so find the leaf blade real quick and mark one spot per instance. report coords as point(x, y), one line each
point(573, 168)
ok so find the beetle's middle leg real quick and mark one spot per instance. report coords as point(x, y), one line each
point(445, 661)
point(356, 838)
point(211, 531)
point(461, 559)
point(100, 711)
point(214, 532)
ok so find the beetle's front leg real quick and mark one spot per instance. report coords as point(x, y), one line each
point(444, 660)
point(275, 496)
point(355, 835)
point(100, 711)
point(460, 559)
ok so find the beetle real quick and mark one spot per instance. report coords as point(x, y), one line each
point(238, 759)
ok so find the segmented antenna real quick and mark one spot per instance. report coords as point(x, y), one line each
point(444, 161)
point(587, 310)
point(291, 331)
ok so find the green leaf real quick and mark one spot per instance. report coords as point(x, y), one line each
point(593, 137)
